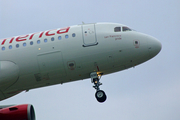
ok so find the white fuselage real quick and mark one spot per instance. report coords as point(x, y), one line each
point(70, 54)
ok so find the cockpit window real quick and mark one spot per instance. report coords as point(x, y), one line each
point(126, 29)
point(117, 29)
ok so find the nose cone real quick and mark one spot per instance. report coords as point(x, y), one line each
point(154, 46)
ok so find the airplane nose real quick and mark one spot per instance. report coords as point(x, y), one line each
point(154, 46)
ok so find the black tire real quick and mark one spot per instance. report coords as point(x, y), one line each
point(100, 96)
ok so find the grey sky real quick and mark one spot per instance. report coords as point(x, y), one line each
point(150, 91)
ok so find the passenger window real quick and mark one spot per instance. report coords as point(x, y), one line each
point(24, 44)
point(66, 36)
point(38, 42)
point(59, 38)
point(17, 45)
point(73, 35)
point(117, 29)
point(126, 29)
point(52, 39)
point(10, 47)
point(3, 48)
point(31, 43)
point(45, 40)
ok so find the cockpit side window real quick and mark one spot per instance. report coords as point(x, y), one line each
point(126, 29)
point(117, 29)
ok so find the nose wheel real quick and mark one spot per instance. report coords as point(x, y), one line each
point(100, 94)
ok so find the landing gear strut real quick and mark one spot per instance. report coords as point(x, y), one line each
point(100, 94)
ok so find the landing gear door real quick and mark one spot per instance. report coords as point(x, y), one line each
point(89, 35)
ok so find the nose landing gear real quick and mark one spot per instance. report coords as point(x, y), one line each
point(100, 94)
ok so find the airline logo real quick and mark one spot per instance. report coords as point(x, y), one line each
point(30, 36)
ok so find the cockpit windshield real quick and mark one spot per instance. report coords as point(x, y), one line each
point(117, 29)
point(126, 28)
point(123, 28)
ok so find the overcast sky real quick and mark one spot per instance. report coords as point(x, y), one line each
point(150, 91)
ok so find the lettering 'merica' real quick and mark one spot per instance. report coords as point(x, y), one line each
point(30, 36)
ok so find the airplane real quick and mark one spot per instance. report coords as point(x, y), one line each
point(65, 55)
